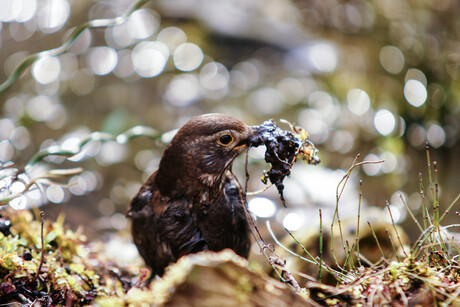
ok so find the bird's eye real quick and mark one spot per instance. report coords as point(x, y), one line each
point(226, 139)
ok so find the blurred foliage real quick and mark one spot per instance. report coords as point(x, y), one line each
point(379, 78)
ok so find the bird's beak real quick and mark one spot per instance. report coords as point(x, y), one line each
point(239, 147)
point(246, 141)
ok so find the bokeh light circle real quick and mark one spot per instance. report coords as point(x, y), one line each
point(102, 60)
point(262, 207)
point(6, 151)
point(323, 57)
point(392, 59)
point(46, 70)
point(53, 15)
point(214, 76)
point(18, 203)
point(384, 122)
point(416, 135)
point(371, 169)
point(7, 127)
point(40, 108)
point(415, 92)
point(293, 221)
point(149, 58)
point(390, 164)
point(143, 23)
point(9, 10)
point(188, 57)
point(266, 100)
point(342, 141)
point(82, 82)
point(436, 135)
point(28, 10)
point(55, 194)
point(358, 101)
point(396, 215)
point(314, 123)
point(183, 90)
point(172, 37)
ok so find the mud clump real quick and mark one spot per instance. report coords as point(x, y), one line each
point(283, 149)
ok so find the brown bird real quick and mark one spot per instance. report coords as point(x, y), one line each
point(193, 202)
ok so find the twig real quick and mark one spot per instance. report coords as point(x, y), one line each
point(277, 261)
point(332, 247)
point(430, 178)
point(308, 277)
point(357, 223)
point(410, 212)
point(338, 196)
point(270, 231)
point(448, 208)
point(392, 245)
point(367, 261)
point(436, 195)
point(260, 191)
point(395, 228)
point(257, 237)
point(121, 138)
point(349, 259)
point(320, 245)
point(245, 200)
point(419, 242)
point(335, 273)
point(97, 23)
point(426, 215)
point(42, 259)
point(376, 239)
point(44, 178)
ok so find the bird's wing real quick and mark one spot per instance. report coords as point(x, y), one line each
point(145, 212)
point(144, 197)
point(163, 229)
point(178, 227)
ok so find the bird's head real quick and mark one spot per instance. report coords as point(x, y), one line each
point(201, 151)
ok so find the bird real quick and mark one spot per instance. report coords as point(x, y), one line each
point(193, 202)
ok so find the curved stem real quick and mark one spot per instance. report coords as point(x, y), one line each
point(97, 23)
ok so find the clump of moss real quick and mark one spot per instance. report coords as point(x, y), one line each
point(68, 272)
point(63, 277)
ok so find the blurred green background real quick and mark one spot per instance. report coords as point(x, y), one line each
point(379, 78)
